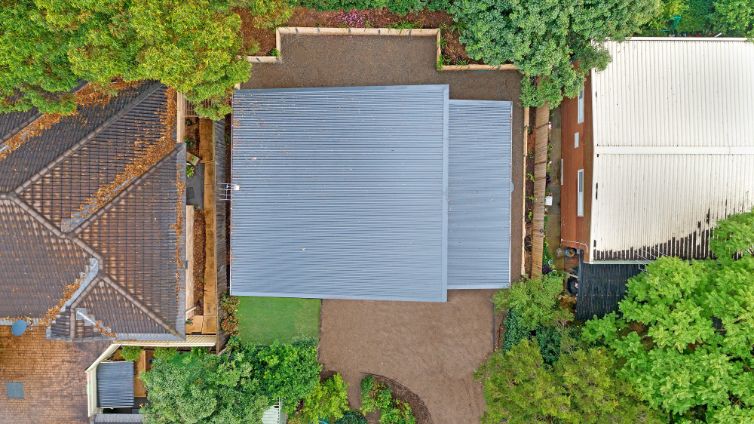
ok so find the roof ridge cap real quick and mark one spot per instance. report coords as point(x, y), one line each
point(50, 226)
point(129, 188)
point(18, 129)
point(140, 305)
point(117, 115)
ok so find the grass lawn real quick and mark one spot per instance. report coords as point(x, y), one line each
point(267, 319)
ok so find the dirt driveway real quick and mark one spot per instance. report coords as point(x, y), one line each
point(431, 348)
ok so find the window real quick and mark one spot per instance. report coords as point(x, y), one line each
point(15, 390)
point(576, 140)
point(580, 117)
point(580, 195)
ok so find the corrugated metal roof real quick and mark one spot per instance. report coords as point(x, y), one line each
point(342, 192)
point(673, 145)
point(683, 92)
point(115, 384)
point(479, 188)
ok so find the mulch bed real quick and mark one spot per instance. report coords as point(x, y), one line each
point(401, 392)
point(258, 41)
point(199, 258)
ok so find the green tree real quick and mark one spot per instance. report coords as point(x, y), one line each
point(544, 38)
point(686, 329)
point(734, 17)
point(233, 387)
point(581, 388)
point(48, 46)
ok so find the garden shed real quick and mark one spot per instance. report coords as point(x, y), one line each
point(378, 193)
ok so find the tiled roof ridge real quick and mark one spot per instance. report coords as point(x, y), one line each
point(141, 306)
point(16, 130)
point(132, 186)
point(85, 95)
point(135, 102)
point(50, 226)
point(152, 157)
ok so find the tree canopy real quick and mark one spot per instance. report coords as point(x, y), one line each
point(581, 388)
point(233, 387)
point(48, 46)
point(685, 330)
point(554, 43)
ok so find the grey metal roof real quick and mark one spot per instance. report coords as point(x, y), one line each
point(343, 192)
point(479, 194)
point(115, 384)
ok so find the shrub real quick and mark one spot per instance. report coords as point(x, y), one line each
point(130, 353)
point(400, 7)
point(352, 417)
point(328, 400)
point(548, 339)
point(229, 322)
point(233, 387)
point(535, 301)
point(165, 353)
point(376, 396)
point(515, 331)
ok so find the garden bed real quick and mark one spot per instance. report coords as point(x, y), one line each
point(401, 392)
point(261, 42)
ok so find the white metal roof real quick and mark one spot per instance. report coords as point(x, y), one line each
point(673, 123)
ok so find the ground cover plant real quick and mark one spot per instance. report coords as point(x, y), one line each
point(267, 320)
point(685, 330)
point(48, 46)
point(233, 387)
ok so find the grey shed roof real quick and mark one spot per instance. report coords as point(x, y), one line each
point(479, 194)
point(342, 193)
point(381, 193)
point(115, 384)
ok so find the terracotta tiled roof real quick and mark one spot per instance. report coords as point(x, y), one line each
point(91, 216)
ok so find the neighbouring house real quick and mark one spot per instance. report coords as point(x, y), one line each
point(656, 150)
point(92, 246)
point(378, 193)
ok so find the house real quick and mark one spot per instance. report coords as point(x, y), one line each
point(656, 149)
point(373, 193)
point(90, 232)
point(92, 244)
